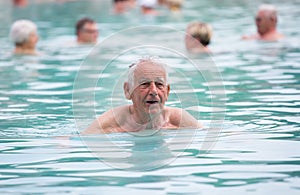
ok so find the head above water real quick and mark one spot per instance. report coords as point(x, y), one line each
point(21, 30)
point(86, 30)
point(20, 3)
point(147, 86)
point(174, 5)
point(122, 6)
point(147, 3)
point(266, 18)
point(200, 31)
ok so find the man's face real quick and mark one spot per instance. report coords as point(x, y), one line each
point(89, 33)
point(150, 90)
point(263, 22)
point(33, 39)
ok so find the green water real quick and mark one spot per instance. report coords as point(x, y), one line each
point(247, 94)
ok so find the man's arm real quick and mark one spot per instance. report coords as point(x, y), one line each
point(98, 125)
point(108, 122)
point(183, 119)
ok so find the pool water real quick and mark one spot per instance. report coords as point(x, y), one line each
point(247, 95)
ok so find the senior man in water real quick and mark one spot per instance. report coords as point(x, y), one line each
point(266, 24)
point(148, 89)
point(25, 36)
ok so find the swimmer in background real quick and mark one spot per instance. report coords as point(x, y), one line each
point(25, 37)
point(20, 3)
point(198, 36)
point(161, 2)
point(174, 5)
point(86, 31)
point(132, 3)
point(122, 6)
point(266, 22)
point(148, 89)
point(148, 7)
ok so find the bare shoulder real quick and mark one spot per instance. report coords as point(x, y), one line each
point(181, 118)
point(108, 121)
point(250, 37)
point(280, 36)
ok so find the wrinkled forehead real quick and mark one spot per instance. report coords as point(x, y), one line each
point(150, 71)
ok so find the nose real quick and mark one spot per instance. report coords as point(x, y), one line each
point(152, 89)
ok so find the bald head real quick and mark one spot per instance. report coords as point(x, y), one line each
point(145, 64)
point(266, 19)
point(269, 10)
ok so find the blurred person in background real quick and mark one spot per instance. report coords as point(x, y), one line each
point(122, 6)
point(132, 3)
point(148, 7)
point(20, 3)
point(198, 37)
point(174, 5)
point(266, 22)
point(25, 37)
point(86, 31)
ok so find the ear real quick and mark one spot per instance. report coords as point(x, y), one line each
point(126, 91)
point(168, 90)
point(274, 19)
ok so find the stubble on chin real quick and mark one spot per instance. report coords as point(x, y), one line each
point(156, 116)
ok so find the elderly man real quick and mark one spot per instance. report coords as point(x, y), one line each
point(148, 89)
point(122, 6)
point(25, 37)
point(266, 21)
point(86, 31)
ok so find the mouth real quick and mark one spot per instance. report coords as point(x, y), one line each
point(152, 102)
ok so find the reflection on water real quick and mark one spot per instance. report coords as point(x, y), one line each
point(131, 153)
point(256, 151)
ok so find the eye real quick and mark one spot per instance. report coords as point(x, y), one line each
point(144, 84)
point(160, 85)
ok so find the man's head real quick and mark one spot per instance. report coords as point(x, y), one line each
point(266, 19)
point(121, 6)
point(20, 3)
point(24, 32)
point(174, 5)
point(86, 31)
point(147, 86)
point(202, 32)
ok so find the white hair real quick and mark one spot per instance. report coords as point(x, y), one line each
point(270, 9)
point(147, 3)
point(20, 31)
point(151, 60)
